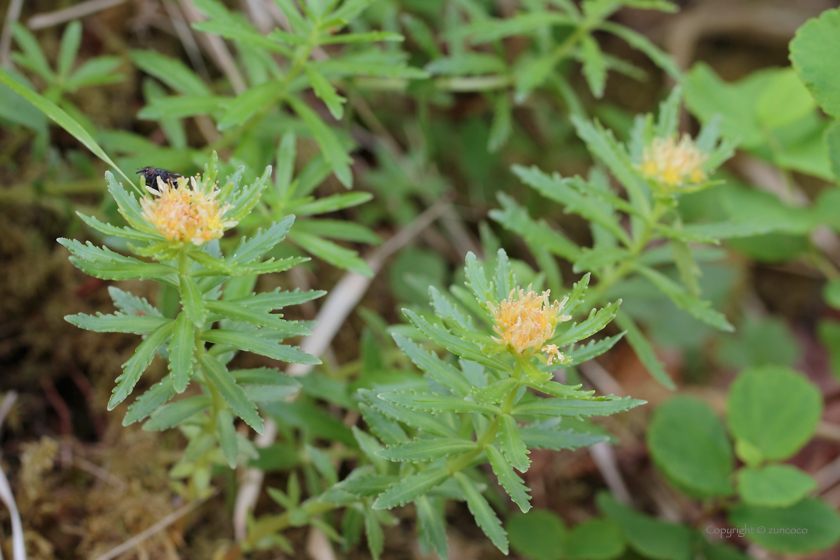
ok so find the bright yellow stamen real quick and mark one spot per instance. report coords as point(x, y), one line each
point(185, 212)
point(673, 164)
point(525, 321)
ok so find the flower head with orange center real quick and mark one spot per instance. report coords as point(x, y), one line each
point(525, 321)
point(673, 164)
point(186, 212)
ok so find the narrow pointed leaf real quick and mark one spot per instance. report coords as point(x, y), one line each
point(137, 364)
point(233, 394)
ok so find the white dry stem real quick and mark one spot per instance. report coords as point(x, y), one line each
point(217, 48)
point(338, 305)
point(18, 546)
point(185, 35)
point(12, 15)
point(602, 453)
point(318, 546)
point(69, 14)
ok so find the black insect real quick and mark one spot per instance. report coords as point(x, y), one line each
point(152, 174)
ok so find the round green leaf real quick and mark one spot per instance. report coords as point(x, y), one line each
point(723, 551)
point(649, 537)
point(808, 53)
point(596, 539)
point(539, 534)
point(689, 444)
point(808, 526)
point(784, 101)
point(775, 409)
point(774, 485)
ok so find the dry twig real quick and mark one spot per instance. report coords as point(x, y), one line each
point(69, 14)
point(154, 529)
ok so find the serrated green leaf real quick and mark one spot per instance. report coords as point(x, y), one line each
point(599, 257)
point(560, 190)
point(594, 65)
point(372, 449)
point(546, 438)
point(419, 420)
point(262, 241)
point(591, 350)
point(432, 525)
point(369, 37)
point(642, 43)
point(233, 394)
point(375, 535)
point(124, 232)
point(171, 415)
point(597, 320)
point(331, 252)
point(454, 344)
point(698, 309)
point(263, 347)
point(137, 364)
point(101, 262)
point(192, 300)
point(426, 449)
point(509, 480)
point(149, 401)
point(495, 392)
point(569, 407)
point(442, 372)
point(332, 149)
point(603, 145)
point(326, 92)
point(430, 402)
point(512, 445)
point(227, 436)
point(521, 24)
point(234, 30)
point(278, 299)
point(332, 203)
point(477, 280)
point(386, 429)
point(484, 515)
point(257, 317)
point(410, 488)
point(118, 322)
point(182, 353)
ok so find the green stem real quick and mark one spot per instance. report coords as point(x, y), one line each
point(273, 525)
point(606, 281)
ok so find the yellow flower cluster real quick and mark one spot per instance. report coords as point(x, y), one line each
point(673, 164)
point(186, 212)
point(525, 321)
